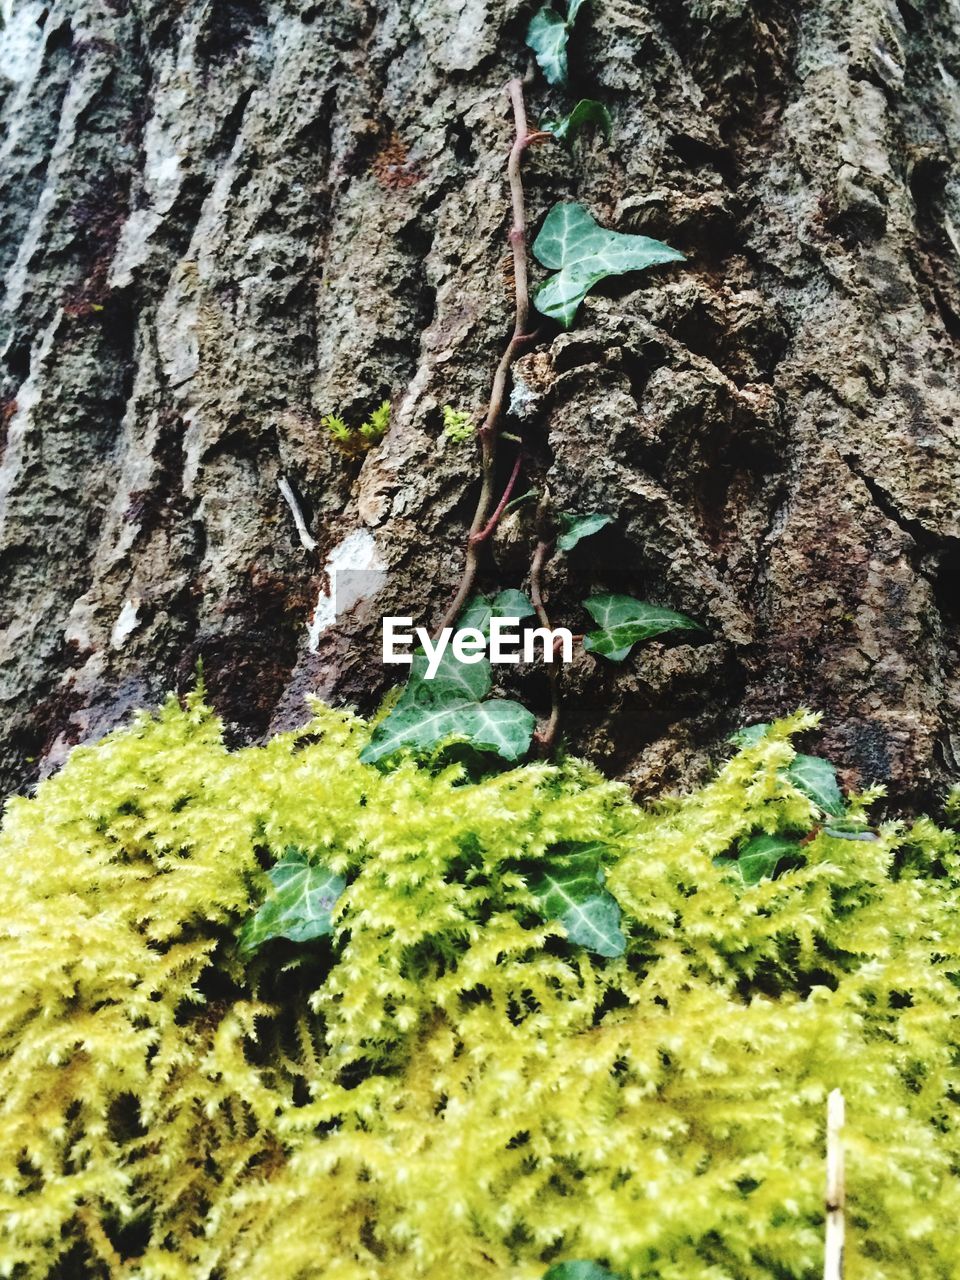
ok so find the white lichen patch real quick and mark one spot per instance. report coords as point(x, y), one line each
point(21, 41)
point(951, 230)
point(523, 399)
point(127, 622)
point(355, 570)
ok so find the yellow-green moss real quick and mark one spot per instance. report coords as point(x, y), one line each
point(451, 1089)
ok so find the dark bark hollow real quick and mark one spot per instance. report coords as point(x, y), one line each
point(226, 219)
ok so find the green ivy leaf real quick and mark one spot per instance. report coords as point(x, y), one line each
point(749, 735)
point(433, 711)
point(476, 613)
point(573, 244)
point(814, 776)
point(470, 680)
point(587, 111)
point(548, 36)
point(299, 905)
point(512, 604)
point(480, 609)
point(624, 621)
point(817, 778)
point(759, 857)
point(451, 705)
point(501, 726)
point(579, 1271)
point(577, 527)
point(595, 925)
point(569, 888)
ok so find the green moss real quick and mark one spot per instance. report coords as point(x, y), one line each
point(448, 1087)
point(354, 443)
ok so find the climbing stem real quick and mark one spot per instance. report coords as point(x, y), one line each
point(489, 431)
point(547, 735)
point(491, 524)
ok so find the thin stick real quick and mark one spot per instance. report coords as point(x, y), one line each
point(307, 540)
point(490, 429)
point(836, 1192)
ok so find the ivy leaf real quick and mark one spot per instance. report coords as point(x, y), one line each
point(573, 244)
point(814, 776)
point(577, 527)
point(480, 609)
point(587, 111)
point(624, 621)
point(475, 613)
point(502, 726)
point(451, 705)
point(470, 680)
point(299, 905)
point(817, 778)
point(564, 881)
point(749, 735)
point(569, 889)
point(512, 604)
point(432, 711)
point(579, 1271)
point(548, 35)
point(595, 925)
point(760, 857)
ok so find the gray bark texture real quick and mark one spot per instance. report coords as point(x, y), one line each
point(224, 219)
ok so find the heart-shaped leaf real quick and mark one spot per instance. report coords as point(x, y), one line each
point(814, 776)
point(579, 1271)
point(548, 36)
point(451, 705)
point(470, 680)
point(576, 528)
point(572, 243)
point(595, 925)
point(511, 604)
point(817, 778)
point(569, 888)
point(432, 711)
point(749, 735)
point(587, 111)
point(502, 726)
point(299, 905)
point(624, 621)
point(506, 604)
point(760, 857)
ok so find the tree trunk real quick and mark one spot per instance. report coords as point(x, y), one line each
point(224, 220)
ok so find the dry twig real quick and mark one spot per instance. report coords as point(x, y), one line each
point(836, 1192)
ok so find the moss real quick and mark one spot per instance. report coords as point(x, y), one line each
point(451, 1088)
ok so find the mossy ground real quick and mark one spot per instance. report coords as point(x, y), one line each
point(449, 1088)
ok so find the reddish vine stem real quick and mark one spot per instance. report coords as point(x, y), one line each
point(547, 735)
point(489, 431)
point(491, 524)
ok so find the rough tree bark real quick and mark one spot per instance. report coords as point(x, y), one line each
point(226, 218)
